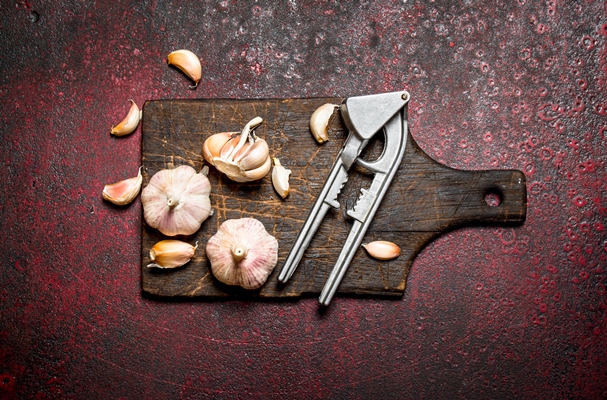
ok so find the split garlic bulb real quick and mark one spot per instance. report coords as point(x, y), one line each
point(176, 201)
point(243, 158)
point(242, 253)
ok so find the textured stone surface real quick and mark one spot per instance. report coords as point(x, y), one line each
point(488, 312)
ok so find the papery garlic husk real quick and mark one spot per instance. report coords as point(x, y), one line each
point(382, 250)
point(280, 178)
point(319, 122)
point(171, 254)
point(242, 253)
point(176, 201)
point(123, 192)
point(188, 63)
point(242, 157)
point(129, 123)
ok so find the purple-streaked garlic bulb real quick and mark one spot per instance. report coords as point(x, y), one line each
point(242, 253)
point(176, 201)
point(242, 157)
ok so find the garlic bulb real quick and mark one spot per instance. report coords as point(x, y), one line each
point(242, 253)
point(243, 158)
point(176, 201)
point(171, 254)
point(280, 178)
point(319, 122)
point(129, 123)
point(123, 192)
point(382, 250)
point(188, 63)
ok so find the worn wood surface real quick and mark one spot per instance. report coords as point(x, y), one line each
point(424, 200)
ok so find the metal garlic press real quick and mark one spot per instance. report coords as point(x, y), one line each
point(364, 117)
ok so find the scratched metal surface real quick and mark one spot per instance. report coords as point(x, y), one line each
point(488, 312)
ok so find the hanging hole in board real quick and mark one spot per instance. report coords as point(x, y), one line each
point(493, 197)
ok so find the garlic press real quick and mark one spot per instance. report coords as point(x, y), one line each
point(364, 117)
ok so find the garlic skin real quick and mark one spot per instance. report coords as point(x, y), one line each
point(382, 250)
point(171, 254)
point(188, 63)
point(176, 201)
point(123, 192)
point(242, 157)
point(242, 253)
point(319, 122)
point(280, 178)
point(129, 123)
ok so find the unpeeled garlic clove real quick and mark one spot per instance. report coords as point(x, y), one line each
point(123, 192)
point(129, 123)
point(242, 158)
point(214, 144)
point(382, 250)
point(242, 253)
point(280, 178)
point(319, 122)
point(171, 254)
point(188, 63)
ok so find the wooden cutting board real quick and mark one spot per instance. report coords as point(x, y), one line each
point(425, 198)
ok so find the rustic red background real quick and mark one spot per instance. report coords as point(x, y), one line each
point(488, 312)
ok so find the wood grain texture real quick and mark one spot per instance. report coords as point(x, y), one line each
point(424, 200)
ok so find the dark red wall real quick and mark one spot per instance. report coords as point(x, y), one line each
point(488, 312)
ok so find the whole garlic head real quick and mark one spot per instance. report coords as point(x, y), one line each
point(176, 201)
point(242, 253)
point(243, 158)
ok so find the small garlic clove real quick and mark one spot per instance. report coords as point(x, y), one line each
point(228, 148)
point(188, 63)
point(240, 153)
point(123, 192)
point(257, 173)
point(129, 123)
point(382, 250)
point(213, 145)
point(319, 122)
point(254, 157)
point(280, 178)
point(171, 254)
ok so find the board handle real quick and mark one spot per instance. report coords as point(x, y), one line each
point(488, 197)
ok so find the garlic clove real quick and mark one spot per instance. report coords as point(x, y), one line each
point(213, 145)
point(257, 173)
point(188, 63)
point(241, 153)
point(123, 192)
point(228, 148)
point(382, 250)
point(280, 178)
point(129, 123)
point(319, 122)
point(176, 201)
point(242, 253)
point(171, 254)
point(254, 156)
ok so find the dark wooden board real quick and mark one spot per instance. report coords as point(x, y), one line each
point(424, 200)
